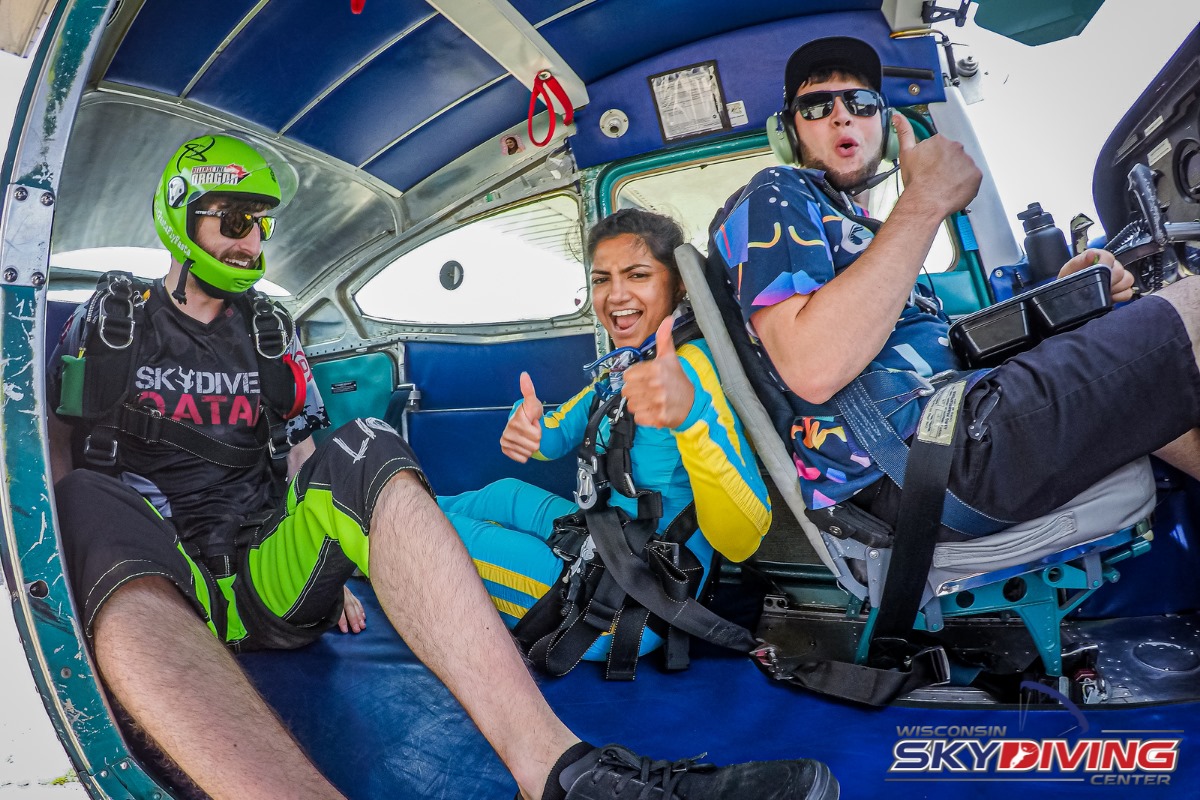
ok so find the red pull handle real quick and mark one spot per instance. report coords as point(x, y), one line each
point(544, 84)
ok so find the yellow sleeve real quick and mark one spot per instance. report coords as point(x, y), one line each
point(732, 505)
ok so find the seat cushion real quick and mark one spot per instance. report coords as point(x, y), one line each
point(1122, 499)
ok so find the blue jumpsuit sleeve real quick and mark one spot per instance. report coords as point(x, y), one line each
point(732, 506)
point(563, 429)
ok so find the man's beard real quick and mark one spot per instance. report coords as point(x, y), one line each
point(842, 181)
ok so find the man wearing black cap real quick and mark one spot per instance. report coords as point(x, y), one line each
point(833, 299)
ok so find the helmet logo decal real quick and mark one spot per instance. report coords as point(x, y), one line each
point(194, 151)
point(176, 189)
point(218, 175)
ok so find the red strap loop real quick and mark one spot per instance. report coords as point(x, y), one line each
point(543, 84)
point(301, 386)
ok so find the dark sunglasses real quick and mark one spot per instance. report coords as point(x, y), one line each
point(819, 105)
point(237, 224)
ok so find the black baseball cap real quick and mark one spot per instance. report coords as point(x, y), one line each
point(833, 52)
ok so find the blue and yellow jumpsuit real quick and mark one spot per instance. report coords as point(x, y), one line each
point(707, 459)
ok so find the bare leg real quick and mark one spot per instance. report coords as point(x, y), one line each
point(191, 697)
point(431, 592)
point(1184, 453)
point(1184, 297)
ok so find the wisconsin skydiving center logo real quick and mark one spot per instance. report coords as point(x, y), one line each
point(948, 753)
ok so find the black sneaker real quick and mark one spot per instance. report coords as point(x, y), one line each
point(614, 771)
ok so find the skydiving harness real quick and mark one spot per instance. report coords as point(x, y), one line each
point(98, 381)
point(620, 576)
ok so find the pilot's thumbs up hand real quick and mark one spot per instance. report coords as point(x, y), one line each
point(522, 435)
point(657, 392)
point(936, 170)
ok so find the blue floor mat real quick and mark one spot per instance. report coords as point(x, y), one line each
point(381, 726)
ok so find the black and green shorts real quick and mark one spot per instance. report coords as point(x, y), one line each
point(287, 590)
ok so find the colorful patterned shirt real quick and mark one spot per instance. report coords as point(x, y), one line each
point(784, 237)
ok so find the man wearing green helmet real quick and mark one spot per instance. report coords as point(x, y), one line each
point(229, 173)
point(181, 526)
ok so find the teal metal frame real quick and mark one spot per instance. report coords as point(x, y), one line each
point(61, 665)
point(599, 188)
point(1041, 595)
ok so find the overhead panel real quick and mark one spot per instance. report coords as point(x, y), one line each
point(169, 42)
point(294, 51)
point(759, 54)
point(604, 36)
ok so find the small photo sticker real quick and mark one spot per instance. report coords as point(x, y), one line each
point(510, 145)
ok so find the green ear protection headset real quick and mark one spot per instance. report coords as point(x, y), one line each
point(785, 144)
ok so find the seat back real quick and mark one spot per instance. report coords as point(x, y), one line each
point(708, 293)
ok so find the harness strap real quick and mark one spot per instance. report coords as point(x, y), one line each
point(641, 585)
point(857, 403)
point(113, 330)
point(151, 427)
point(856, 682)
point(928, 472)
point(589, 600)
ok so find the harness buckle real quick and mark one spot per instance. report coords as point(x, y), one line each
point(143, 423)
point(585, 483)
point(100, 459)
point(265, 337)
point(278, 444)
point(120, 290)
point(937, 660)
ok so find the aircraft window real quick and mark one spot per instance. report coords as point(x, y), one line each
point(524, 263)
point(692, 194)
point(943, 254)
point(73, 274)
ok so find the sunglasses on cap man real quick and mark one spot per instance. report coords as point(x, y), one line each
point(818, 105)
point(236, 223)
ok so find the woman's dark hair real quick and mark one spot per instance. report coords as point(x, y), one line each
point(658, 232)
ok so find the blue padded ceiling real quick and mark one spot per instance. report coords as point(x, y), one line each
point(537, 10)
point(414, 79)
point(486, 115)
point(431, 92)
point(288, 74)
point(169, 42)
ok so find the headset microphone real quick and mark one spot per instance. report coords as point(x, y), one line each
point(873, 181)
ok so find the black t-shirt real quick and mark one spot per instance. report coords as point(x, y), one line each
point(205, 375)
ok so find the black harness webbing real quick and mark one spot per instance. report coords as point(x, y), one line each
point(114, 326)
point(676, 608)
point(621, 576)
point(857, 683)
point(147, 425)
point(926, 475)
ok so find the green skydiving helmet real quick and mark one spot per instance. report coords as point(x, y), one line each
point(239, 171)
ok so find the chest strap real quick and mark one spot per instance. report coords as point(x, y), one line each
point(115, 325)
point(149, 426)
